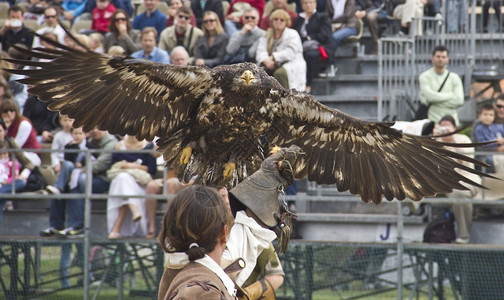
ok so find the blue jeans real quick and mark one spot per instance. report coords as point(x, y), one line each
point(66, 250)
point(19, 186)
point(456, 14)
point(67, 168)
point(341, 34)
point(75, 207)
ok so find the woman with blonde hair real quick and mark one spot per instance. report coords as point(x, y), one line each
point(211, 46)
point(280, 52)
point(194, 234)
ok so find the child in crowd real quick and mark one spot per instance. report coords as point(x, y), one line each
point(60, 140)
point(488, 131)
point(6, 176)
point(101, 16)
point(72, 163)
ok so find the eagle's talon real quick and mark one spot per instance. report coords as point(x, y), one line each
point(228, 168)
point(186, 154)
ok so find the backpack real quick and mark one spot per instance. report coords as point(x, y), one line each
point(440, 231)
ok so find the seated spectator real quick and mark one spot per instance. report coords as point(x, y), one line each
point(21, 129)
point(200, 7)
point(6, 175)
point(18, 90)
point(4, 89)
point(488, 131)
point(496, 5)
point(35, 10)
point(461, 211)
point(242, 45)
point(179, 56)
point(152, 17)
point(13, 30)
point(97, 40)
point(315, 30)
point(99, 183)
point(170, 18)
point(73, 9)
point(236, 9)
point(406, 11)
point(126, 216)
point(26, 164)
point(118, 4)
point(370, 11)
point(116, 51)
point(101, 16)
point(343, 20)
point(280, 52)
point(277, 4)
point(121, 34)
point(60, 140)
point(150, 51)
point(181, 34)
point(51, 25)
point(211, 46)
point(44, 120)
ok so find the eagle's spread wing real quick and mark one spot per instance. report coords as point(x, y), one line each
point(368, 159)
point(121, 95)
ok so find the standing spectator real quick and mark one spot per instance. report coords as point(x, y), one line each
point(242, 45)
point(13, 31)
point(75, 207)
point(370, 11)
point(280, 52)
point(211, 46)
point(487, 131)
point(236, 9)
point(121, 34)
point(456, 15)
point(343, 20)
point(200, 7)
point(496, 4)
point(73, 9)
point(152, 17)
point(277, 4)
point(461, 211)
point(181, 34)
point(51, 18)
point(44, 120)
point(450, 97)
point(101, 16)
point(406, 11)
point(174, 6)
point(120, 223)
point(20, 129)
point(315, 30)
point(150, 51)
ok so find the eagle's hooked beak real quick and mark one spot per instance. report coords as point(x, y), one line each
point(247, 77)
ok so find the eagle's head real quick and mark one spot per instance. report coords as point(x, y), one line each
point(247, 77)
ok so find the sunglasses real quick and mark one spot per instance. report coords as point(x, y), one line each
point(184, 17)
point(51, 17)
point(209, 21)
point(249, 17)
point(278, 19)
point(8, 110)
point(499, 106)
point(120, 20)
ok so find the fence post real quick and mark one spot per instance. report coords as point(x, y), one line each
point(87, 221)
point(380, 81)
point(400, 250)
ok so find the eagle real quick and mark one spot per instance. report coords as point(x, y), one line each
point(219, 123)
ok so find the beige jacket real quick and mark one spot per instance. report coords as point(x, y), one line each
point(168, 40)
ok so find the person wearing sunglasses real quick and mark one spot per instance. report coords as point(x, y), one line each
point(211, 46)
point(122, 34)
point(181, 34)
point(172, 13)
point(152, 17)
point(277, 4)
point(280, 52)
point(199, 9)
point(242, 45)
point(51, 24)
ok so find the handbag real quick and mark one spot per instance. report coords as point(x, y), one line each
point(141, 177)
point(423, 110)
point(35, 181)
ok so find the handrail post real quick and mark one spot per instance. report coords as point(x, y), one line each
point(87, 221)
point(400, 250)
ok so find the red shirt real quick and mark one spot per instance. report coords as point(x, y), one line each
point(101, 18)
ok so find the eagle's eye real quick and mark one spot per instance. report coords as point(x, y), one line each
point(247, 77)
